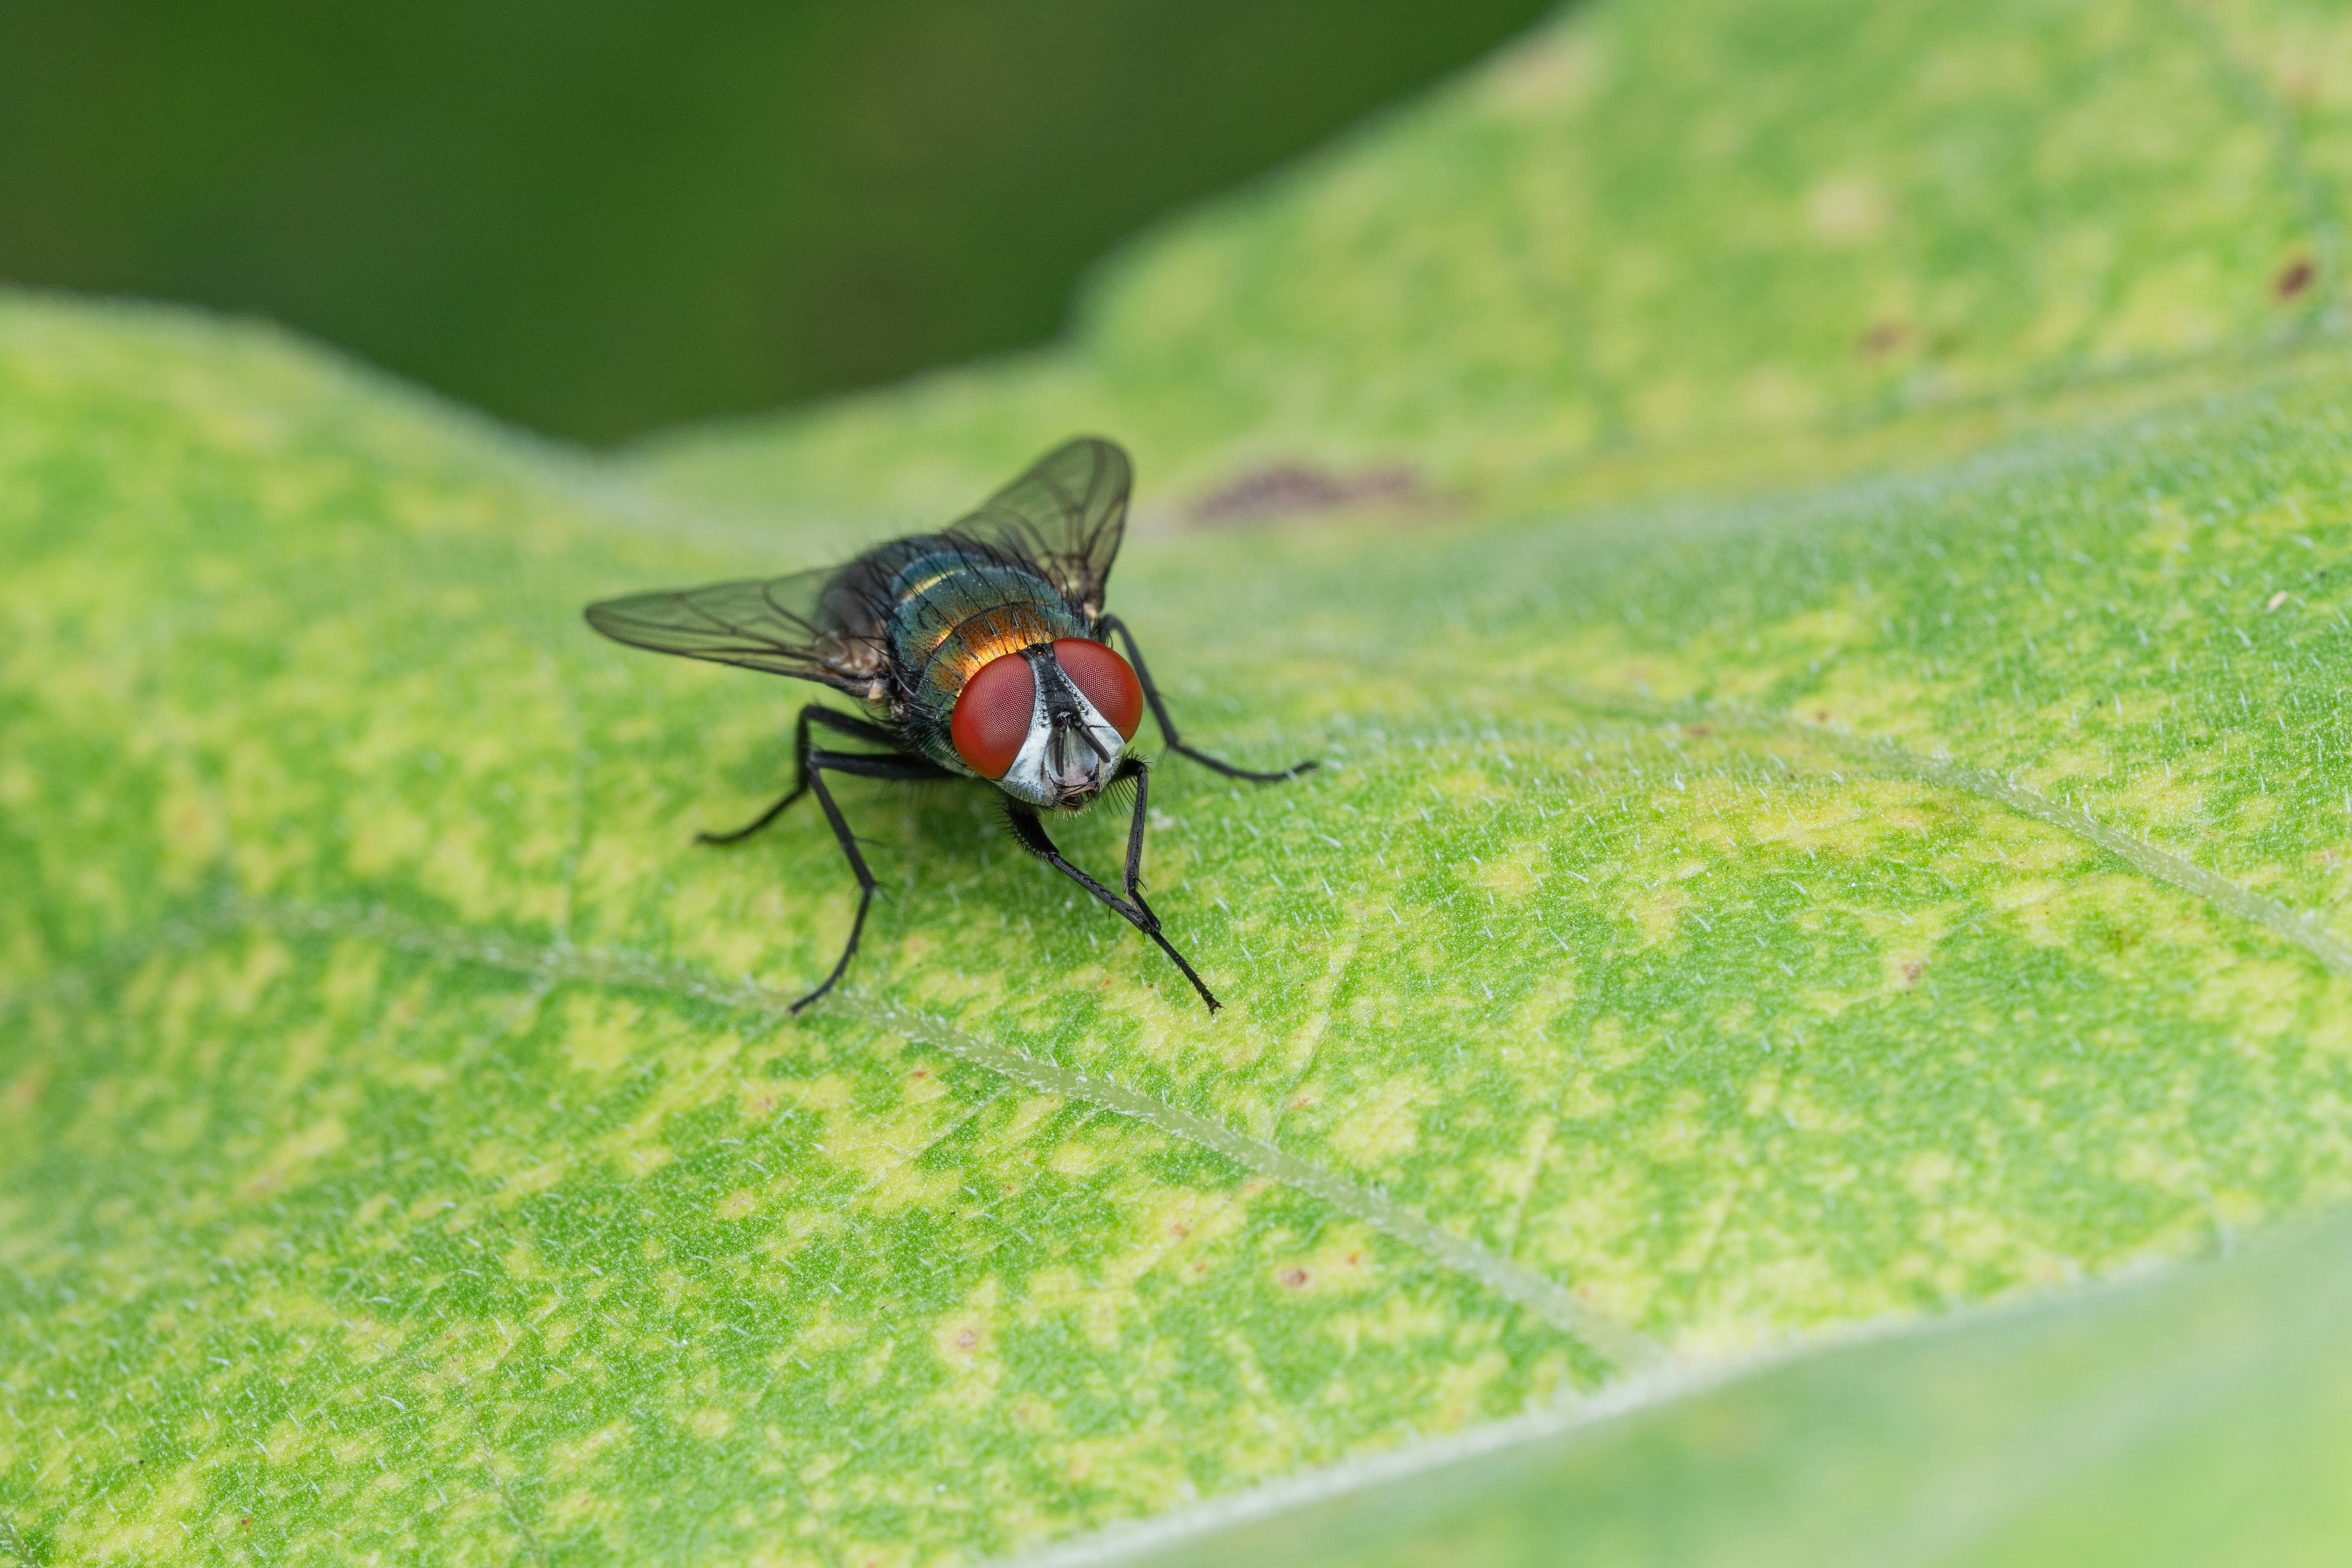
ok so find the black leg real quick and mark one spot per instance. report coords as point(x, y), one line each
point(1168, 727)
point(1032, 837)
point(814, 765)
point(759, 821)
point(832, 717)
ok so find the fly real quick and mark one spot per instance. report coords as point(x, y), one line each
point(981, 652)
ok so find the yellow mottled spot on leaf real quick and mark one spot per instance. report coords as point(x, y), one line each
point(580, 1508)
point(1462, 1386)
point(587, 1451)
point(599, 1033)
point(191, 829)
point(1383, 1121)
point(1847, 209)
point(1927, 1173)
point(2262, 1000)
point(1681, 1133)
point(965, 1343)
point(1515, 875)
point(536, 1175)
point(1657, 910)
point(294, 1157)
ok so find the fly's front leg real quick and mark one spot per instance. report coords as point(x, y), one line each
point(811, 713)
point(1134, 768)
point(813, 767)
point(1167, 726)
point(1032, 834)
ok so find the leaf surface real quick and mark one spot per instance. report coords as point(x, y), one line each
point(2196, 1419)
point(1728, 910)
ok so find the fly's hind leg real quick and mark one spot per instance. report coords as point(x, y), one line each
point(832, 717)
point(814, 765)
point(1109, 624)
point(1032, 834)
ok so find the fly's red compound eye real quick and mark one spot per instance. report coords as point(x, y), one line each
point(992, 713)
point(1097, 669)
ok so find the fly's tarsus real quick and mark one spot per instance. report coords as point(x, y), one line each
point(757, 822)
point(1030, 831)
point(1248, 774)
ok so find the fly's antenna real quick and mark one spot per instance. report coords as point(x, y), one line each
point(1067, 721)
point(1086, 733)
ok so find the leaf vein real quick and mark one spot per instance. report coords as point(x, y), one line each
point(1624, 1347)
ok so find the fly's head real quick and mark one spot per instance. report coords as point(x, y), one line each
point(1048, 724)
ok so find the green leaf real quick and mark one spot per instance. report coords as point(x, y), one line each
point(1717, 921)
point(2197, 1419)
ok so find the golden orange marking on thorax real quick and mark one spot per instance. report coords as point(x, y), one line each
point(985, 637)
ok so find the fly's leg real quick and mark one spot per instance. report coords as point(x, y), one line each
point(1167, 726)
point(832, 717)
point(762, 820)
point(814, 765)
point(1031, 833)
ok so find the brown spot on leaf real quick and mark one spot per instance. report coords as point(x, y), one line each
point(26, 1092)
point(1302, 489)
point(1293, 1279)
point(2294, 278)
point(1913, 968)
point(1881, 339)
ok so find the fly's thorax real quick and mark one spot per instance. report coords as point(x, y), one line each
point(978, 642)
point(953, 612)
point(944, 595)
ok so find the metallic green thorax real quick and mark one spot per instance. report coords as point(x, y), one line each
point(952, 611)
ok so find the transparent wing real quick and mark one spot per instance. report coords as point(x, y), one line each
point(1067, 514)
point(766, 622)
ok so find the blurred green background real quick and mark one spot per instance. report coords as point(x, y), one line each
point(599, 218)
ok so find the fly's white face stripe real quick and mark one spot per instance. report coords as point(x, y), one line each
point(1084, 774)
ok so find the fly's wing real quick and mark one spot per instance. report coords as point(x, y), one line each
point(763, 622)
point(1066, 515)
